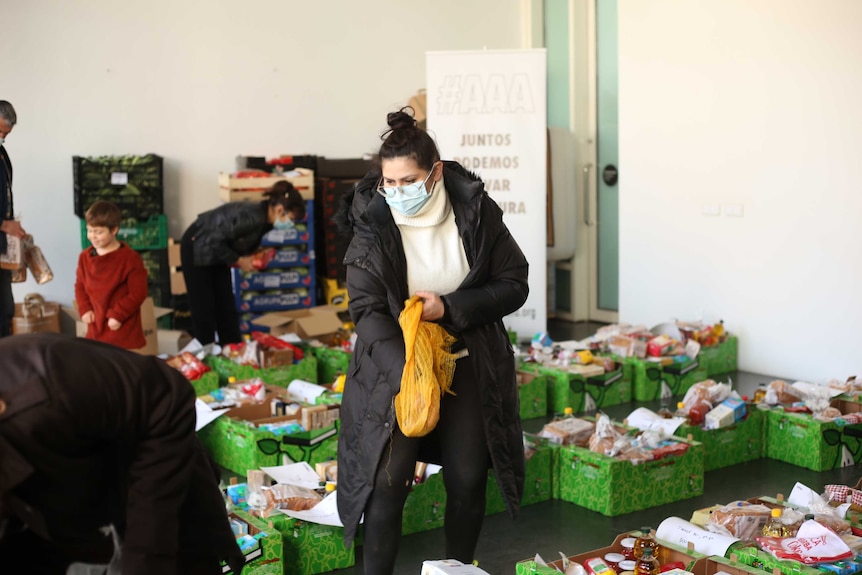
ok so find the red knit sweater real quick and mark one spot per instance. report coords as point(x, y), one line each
point(113, 285)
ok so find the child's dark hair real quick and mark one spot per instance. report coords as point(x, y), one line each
point(285, 195)
point(405, 139)
point(103, 214)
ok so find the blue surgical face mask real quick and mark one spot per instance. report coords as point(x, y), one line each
point(284, 224)
point(407, 199)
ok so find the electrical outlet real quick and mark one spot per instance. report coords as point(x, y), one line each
point(711, 209)
point(733, 210)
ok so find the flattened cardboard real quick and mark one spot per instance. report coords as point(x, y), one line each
point(313, 323)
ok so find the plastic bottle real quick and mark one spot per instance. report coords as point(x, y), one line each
point(647, 564)
point(568, 412)
point(646, 540)
point(665, 411)
point(681, 411)
point(773, 526)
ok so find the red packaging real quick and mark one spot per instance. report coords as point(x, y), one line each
point(262, 258)
point(659, 346)
point(189, 365)
point(273, 342)
point(672, 449)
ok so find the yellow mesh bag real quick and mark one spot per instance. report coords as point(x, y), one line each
point(427, 373)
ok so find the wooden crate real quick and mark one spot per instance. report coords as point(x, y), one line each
point(233, 189)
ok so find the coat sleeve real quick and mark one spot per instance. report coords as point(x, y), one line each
point(159, 477)
point(506, 287)
point(81, 296)
point(136, 281)
point(375, 325)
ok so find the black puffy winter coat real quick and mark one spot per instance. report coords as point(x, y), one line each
point(377, 285)
point(229, 231)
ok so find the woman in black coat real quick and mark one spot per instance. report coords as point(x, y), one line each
point(223, 237)
point(93, 435)
point(425, 227)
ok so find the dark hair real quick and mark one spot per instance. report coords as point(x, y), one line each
point(283, 194)
point(404, 139)
point(103, 214)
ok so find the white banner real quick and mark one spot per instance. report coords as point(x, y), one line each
point(487, 111)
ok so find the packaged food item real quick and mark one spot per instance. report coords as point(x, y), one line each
point(597, 566)
point(568, 431)
point(291, 497)
point(189, 365)
point(739, 519)
point(38, 265)
point(628, 545)
point(646, 540)
point(613, 560)
point(813, 544)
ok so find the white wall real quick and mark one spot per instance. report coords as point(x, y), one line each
point(202, 82)
point(752, 103)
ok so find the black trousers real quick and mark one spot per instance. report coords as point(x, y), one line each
point(7, 303)
point(460, 437)
point(211, 300)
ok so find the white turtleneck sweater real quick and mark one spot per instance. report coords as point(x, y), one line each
point(436, 260)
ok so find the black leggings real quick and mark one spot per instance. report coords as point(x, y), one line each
point(211, 300)
point(465, 459)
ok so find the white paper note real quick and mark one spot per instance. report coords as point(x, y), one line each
point(802, 495)
point(681, 532)
point(645, 419)
point(300, 474)
point(324, 513)
point(204, 415)
point(304, 391)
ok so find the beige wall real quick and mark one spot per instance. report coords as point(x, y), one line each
point(201, 82)
point(754, 104)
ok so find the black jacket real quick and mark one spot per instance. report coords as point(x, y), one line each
point(91, 434)
point(229, 231)
point(377, 285)
point(5, 186)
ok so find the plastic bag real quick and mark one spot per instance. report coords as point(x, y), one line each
point(813, 544)
point(568, 431)
point(428, 371)
point(293, 497)
point(189, 365)
point(707, 391)
point(38, 265)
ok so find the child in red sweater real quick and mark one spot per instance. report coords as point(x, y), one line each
point(111, 282)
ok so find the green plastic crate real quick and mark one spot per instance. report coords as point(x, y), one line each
point(151, 234)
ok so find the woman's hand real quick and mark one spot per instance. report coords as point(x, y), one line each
point(88, 317)
point(245, 264)
point(113, 324)
point(432, 306)
point(13, 228)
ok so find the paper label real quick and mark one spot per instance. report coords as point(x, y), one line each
point(119, 178)
point(680, 532)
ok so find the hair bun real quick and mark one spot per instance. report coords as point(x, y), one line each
point(401, 119)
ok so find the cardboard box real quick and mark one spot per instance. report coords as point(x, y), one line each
point(171, 341)
point(276, 279)
point(149, 315)
point(672, 553)
point(274, 357)
point(331, 362)
point(266, 557)
point(425, 506)
point(45, 320)
point(720, 359)
point(741, 442)
point(301, 298)
point(613, 487)
point(238, 445)
point(320, 323)
point(533, 394)
point(175, 263)
point(651, 380)
point(310, 548)
point(306, 370)
point(233, 189)
point(582, 394)
point(799, 439)
point(538, 481)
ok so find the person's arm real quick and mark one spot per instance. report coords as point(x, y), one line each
point(159, 475)
point(81, 296)
point(504, 292)
point(12, 228)
point(369, 311)
point(136, 280)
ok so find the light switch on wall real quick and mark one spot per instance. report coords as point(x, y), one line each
point(733, 210)
point(711, 209)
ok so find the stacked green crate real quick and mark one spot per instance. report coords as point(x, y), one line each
point(136, 185)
